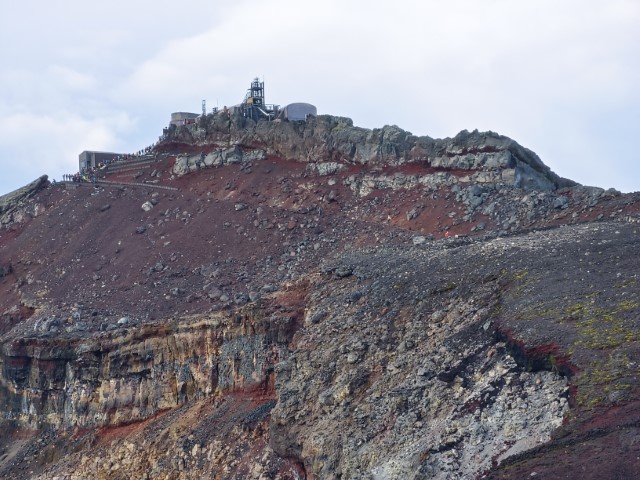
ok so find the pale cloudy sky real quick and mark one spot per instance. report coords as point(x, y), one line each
point(561, 77)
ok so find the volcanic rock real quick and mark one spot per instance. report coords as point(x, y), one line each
point(436, 308)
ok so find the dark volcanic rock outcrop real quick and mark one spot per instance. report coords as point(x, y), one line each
point(15, 206)
point(486, 157)
point(316, 300)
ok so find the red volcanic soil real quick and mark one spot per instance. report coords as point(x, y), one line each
point(96, 248)
point(237, 228)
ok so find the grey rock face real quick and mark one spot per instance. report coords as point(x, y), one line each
point(419, 240)
point(154, 368)
point(222, 156)
point(15, 206)
point(407, 374)
point(328, 142)
point(561, 202)
point(325, 168)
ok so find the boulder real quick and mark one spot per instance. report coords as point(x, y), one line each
point(18, 206)
point(561, 202)
point(5, 270)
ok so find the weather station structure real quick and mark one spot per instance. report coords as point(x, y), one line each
point(254, 107)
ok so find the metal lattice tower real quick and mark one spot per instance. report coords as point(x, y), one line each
point(256, 92)
point(253, 105)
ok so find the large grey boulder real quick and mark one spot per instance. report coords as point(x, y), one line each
point(15, 206)
point(216, 158)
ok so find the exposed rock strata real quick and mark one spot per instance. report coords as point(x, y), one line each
point(136, 370)
point(326, 138)
point(409, 375)
point(418, 376)
point(365, 304)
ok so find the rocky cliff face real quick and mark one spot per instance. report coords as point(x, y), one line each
point(16, 207)
point(136, 370)
point(314, 300)
point(421, 366)
point(485, 157)
point(417, 373)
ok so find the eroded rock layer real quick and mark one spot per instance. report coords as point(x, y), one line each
point(134, 372)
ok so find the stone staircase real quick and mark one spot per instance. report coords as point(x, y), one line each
point(129, 165)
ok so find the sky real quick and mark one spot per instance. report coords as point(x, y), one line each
point(562, 78)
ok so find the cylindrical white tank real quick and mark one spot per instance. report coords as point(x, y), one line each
point(180, 118)
point(299, 111)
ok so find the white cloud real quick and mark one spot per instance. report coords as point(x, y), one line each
point(33, 145)
point(69, 79)
point(551, 75)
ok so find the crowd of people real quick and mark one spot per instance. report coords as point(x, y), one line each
point(75, 177)
point(90, 174)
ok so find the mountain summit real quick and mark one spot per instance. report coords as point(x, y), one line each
point(309, 299)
